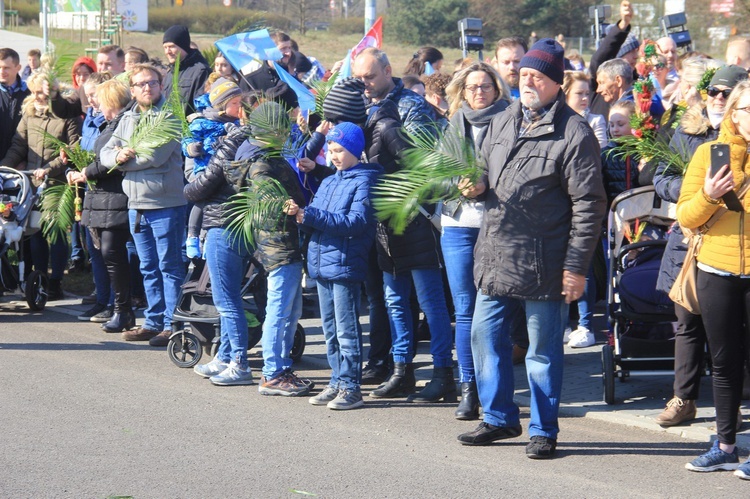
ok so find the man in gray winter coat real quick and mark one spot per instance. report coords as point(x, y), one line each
point(544, 204)
point(153, 183)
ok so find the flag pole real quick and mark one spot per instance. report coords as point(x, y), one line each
point(370, 11)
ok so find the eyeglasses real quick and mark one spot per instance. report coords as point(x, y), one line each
point(746, 109)
point(144, 84)
point(484, 88)
point(714, 92)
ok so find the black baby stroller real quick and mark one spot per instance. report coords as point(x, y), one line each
point(197, 324)
point(640, 317)
point(19, 218)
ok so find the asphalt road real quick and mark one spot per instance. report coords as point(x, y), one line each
point(86, 415)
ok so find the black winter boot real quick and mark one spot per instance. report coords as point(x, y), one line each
point(440, 387)
point(54, 290)
point(120, 321)
point(468, 408)
point(400, 384)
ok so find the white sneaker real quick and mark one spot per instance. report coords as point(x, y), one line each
point(233, 375)
point(211, 369)
point(581, 338)
point(566, 335)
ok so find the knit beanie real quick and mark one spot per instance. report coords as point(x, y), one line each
point(546, 56)
point(631, 43)
point(179, 35)
point(222, 93)
point(729, 76)
point(346, 102)
point(349, 136)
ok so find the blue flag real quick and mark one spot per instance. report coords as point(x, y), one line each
point(346, 68)
point(304, 96)
point(245, 48)
point(428, 69)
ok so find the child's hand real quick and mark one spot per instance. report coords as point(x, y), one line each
point(290, 207)
point(324, 127)
point(300, 215)
point(306, 165)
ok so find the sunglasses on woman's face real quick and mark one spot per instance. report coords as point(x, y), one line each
point(714, 92)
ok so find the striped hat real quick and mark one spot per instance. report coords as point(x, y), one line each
point(346, 102)
point(546, 56)
point(222, 93)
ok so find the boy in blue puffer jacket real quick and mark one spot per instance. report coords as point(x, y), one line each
point(341, 224)
point(207, 127)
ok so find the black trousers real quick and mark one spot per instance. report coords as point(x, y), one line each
point(725, 305)
point(113, 244)
point(689, 348)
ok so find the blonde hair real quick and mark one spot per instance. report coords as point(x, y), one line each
point(113, 94)
point(455, 90)
point(571, 77)
point(623, 105)
point(34, 83)
point(738, 92)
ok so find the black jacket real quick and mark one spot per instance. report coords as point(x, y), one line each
point(544, 203)
point(694, 130)
point(266, 80)
point(105, 205)
point(10, 112)
point(384, 140)
point(608, 49)
point(194, 71)
point(221, 179)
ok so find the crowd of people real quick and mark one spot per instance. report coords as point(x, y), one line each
point(503, 261)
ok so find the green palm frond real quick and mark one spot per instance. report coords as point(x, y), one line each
point(257, 207)
point(58, 211)
point(655, 149)
point(58, 64)
point(210, 53)
point(431, 170)
point(272, 132)
point(80, 158)
point(320, 89)
point(174, 102)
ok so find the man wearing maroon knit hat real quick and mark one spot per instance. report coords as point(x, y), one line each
point(544, 204)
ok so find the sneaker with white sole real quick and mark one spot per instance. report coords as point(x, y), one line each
point(91, 312)
point(715, 460)
point(233, 375)
point(581, 338)
point(744, 470)
point(211, 369)
point(329, 393)
point(346, 399)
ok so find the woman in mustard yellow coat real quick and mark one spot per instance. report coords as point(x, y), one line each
point(723, 273)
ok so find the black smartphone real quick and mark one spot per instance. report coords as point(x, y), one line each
point(719, 158)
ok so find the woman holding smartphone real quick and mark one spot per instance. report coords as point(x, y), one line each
point(723, 269)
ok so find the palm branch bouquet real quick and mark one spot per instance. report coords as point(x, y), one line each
point(271, 130)
point(61, 204)
point(431, 170)
point(174, 103)
point(259, 206)
point(321, 89)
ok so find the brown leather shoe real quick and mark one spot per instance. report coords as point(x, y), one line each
point(519, 354)
point(161, 339)
point(677, 411)
point(139, 334)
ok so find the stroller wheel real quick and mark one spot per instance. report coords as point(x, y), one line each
point(608, 374)
point(184, 349)
point(298, 347)
point(35, 291)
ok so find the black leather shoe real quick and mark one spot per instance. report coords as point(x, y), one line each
point(468, 409)
point(120, 321)
point(487, 433)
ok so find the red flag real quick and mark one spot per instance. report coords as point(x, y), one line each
point(373, 38)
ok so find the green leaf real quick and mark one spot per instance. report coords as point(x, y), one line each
point(272, 132)
point(655, 148)
point(431, 170)
point(320, 89)
point(257, 207)
point(174, 102)
point(78, 157)
point(58, 211)
point(154, 129)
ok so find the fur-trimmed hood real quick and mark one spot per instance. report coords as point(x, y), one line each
point(695, 120)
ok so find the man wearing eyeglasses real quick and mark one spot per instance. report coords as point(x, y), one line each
point(153, 183)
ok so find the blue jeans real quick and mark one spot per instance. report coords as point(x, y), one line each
point(458, 252)
point(492, 347)
point(283, 310)
point(339, 311)
point(429, 286)
point(77, 234)
point(587, 301)
point(102, 286)
point(226, 260)
point(159, 245)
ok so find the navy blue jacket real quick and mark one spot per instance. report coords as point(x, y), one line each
point(10, 112)
point(342, 224)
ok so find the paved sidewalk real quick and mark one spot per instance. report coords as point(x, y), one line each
point(638, 399)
